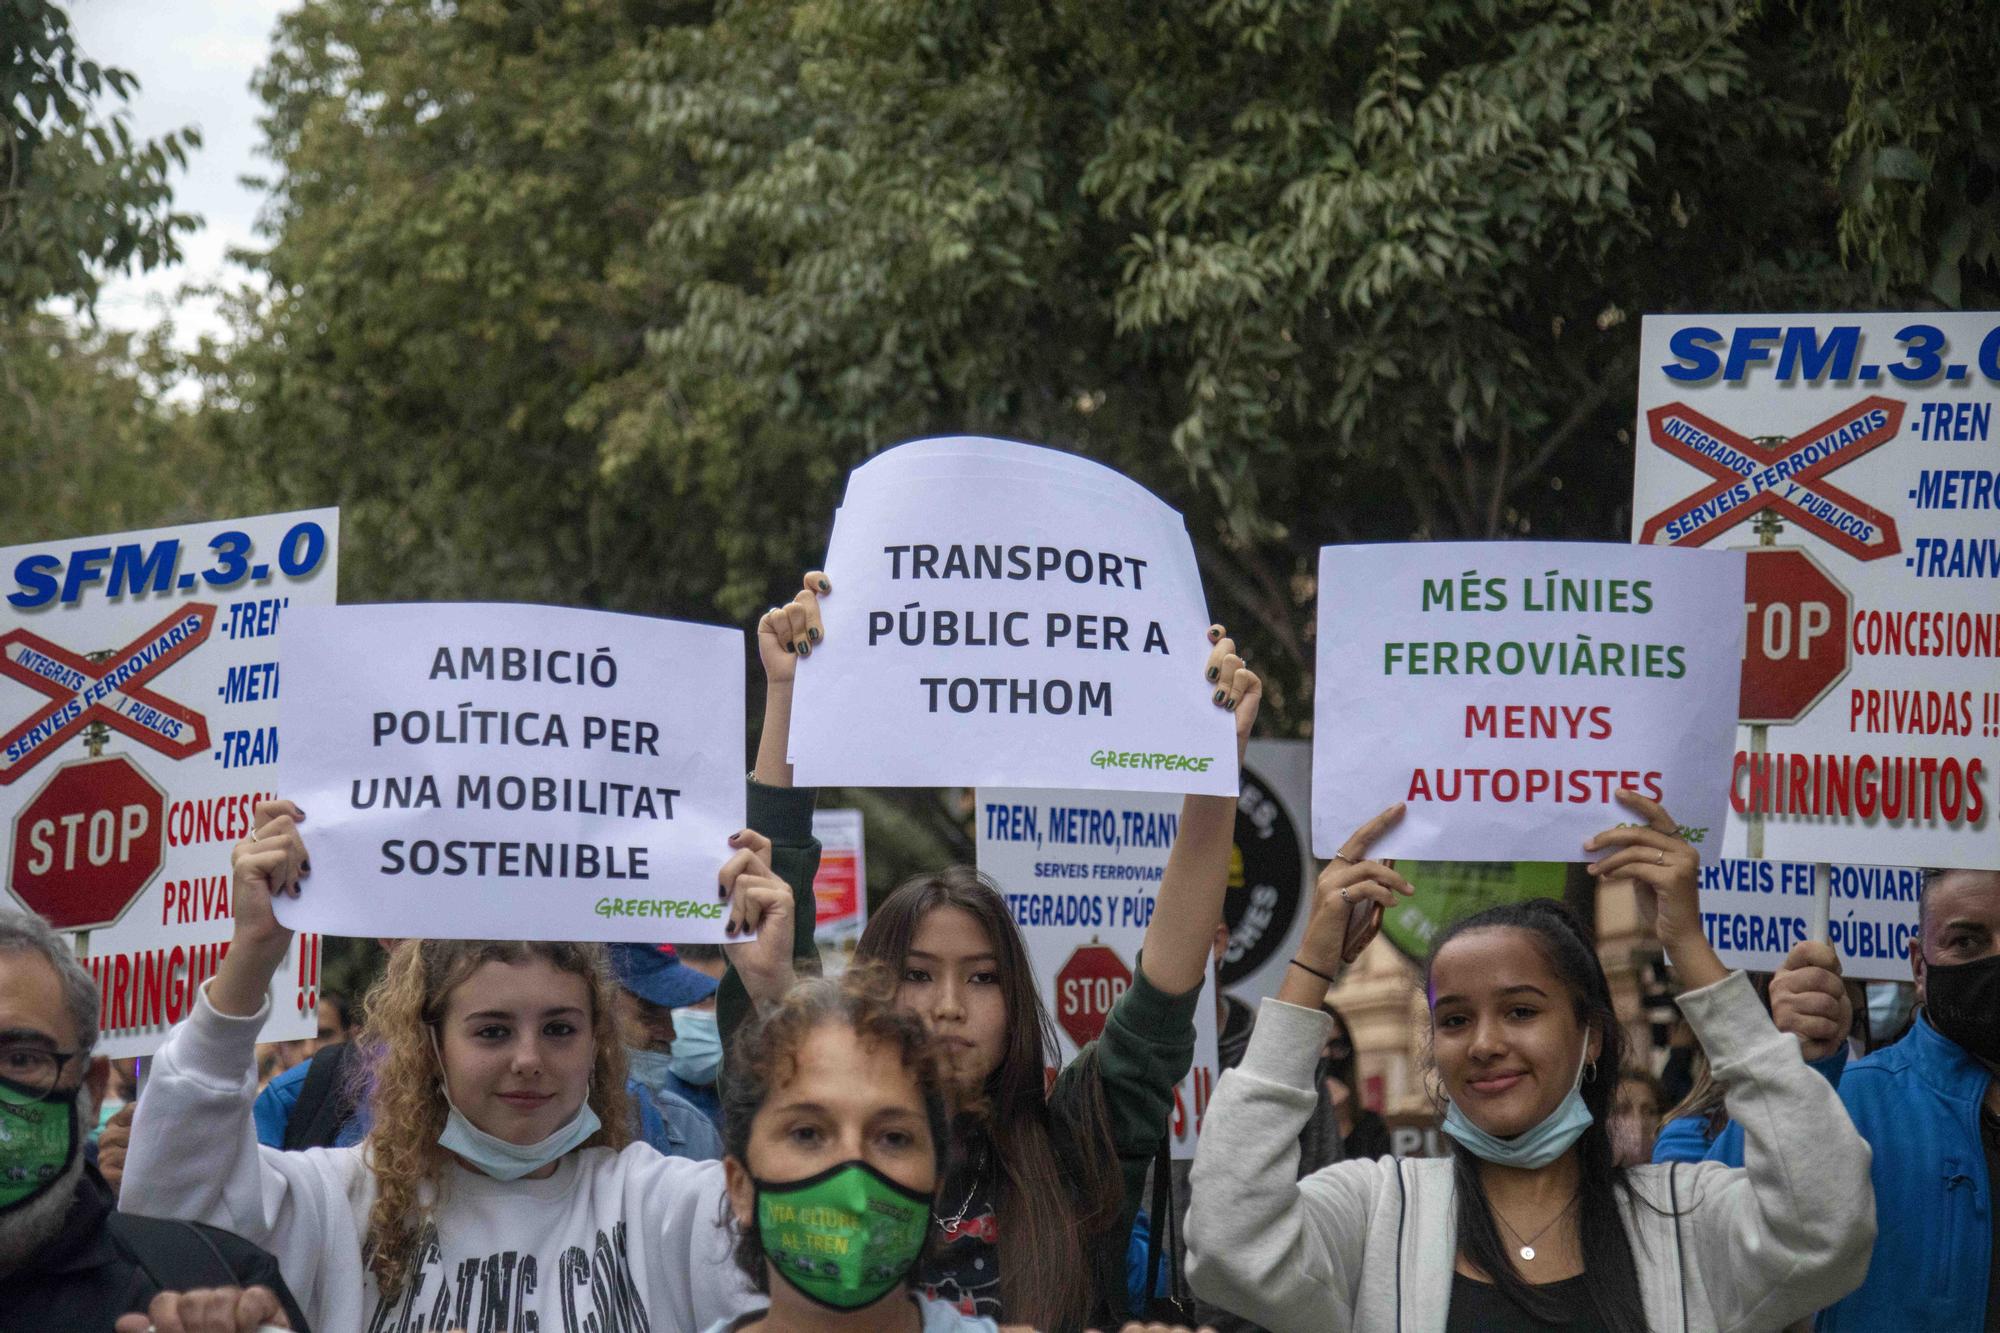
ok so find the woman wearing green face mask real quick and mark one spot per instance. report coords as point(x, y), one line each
point(835, 1123)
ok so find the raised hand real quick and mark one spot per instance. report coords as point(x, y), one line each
point(1233, 685)
point(1666, 874)
point(789, 632)
point(1347, 907)
point(760, 903)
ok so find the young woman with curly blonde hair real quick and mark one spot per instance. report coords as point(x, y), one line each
point(497, 1188)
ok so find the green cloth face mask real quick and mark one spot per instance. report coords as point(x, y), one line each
point(846, 1237)
point(38, 1140)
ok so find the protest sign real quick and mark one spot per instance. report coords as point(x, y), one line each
point(1864, 444)
point(1506, 691)
point(1008, 614)
point(840, 886)
point(1081, 872)
point(527, 772)
point(1753, 912)
point(138, 730)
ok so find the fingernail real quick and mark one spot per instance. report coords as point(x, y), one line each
point(729, 929)
point(1220, 696)
point(805, 649)
point(1213, 672)
point(812, 634)
point(1231, 703)
point(825, 587)
point(1214, 635)
point(722, 891)
point(789, 648)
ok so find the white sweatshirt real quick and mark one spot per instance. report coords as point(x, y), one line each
point(610, 1243)
point(1371, 1245)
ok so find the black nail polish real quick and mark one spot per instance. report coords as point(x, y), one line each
point(825, 587)
point(805, 649)
point(1213, 672)
point(1220, 696)
point(812, 634)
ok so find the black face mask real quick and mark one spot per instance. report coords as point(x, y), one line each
point(1963, 1002)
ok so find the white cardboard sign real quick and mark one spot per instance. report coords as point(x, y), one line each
point(1869, 440)
point(475, 771)
point(149, 657)
point(1507, 690)
point(1081, 868)
point(1008, 614)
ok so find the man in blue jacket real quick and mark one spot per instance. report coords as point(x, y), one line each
point(1929, 1107)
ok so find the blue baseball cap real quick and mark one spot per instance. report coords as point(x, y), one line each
point(655, 972)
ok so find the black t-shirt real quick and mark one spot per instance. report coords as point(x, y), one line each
point(1989, 1133)
point(962, 1266)
point(1481, 1307)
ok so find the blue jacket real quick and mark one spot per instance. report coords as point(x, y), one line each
point(1685, 1138)
point(1917, 1104)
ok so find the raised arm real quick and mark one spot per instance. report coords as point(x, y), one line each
point(194, 1153)
point(1175, 953)
point(785, 635)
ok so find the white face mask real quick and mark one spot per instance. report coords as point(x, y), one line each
point(510, 1161)
point(496, 1156)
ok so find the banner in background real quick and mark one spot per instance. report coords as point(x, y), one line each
point(1081, 872)
point(139, 689)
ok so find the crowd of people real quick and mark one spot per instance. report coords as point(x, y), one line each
point(515, 1135)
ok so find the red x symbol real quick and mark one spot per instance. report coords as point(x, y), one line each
point(109, 692)
point(1788, 478)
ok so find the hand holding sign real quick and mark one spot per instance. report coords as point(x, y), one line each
point(790, 632)
point(1237, 688)
point(1809, 1000)
point(760, 905)
point(1666, 875)
point(268, 864)
point(1347, 908)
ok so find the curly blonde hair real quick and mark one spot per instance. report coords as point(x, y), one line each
point(407, 1098)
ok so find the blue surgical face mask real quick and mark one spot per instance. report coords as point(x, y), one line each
point(697, 1053)
point(1532, 1148)
point(510, 1161)
point(649, 1069)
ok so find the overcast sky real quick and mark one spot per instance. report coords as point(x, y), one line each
point(194, 60)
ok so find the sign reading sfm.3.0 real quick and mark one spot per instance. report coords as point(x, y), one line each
point(1859, 452)
point(138, 730)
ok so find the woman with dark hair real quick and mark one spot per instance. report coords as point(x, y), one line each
point(1042, 1180)
point(1530, 1225)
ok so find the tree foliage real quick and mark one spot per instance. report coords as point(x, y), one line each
point(597, 301)
point(79, 197)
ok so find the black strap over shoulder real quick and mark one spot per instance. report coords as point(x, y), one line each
point(324, 1105)
point(1161, 1244)
point(176, 1256)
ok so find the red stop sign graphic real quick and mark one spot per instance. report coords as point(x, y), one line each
point(1795, 638)
point(88, 843)
point(1086, 988)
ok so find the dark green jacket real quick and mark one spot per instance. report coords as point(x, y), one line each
point(1146, 1049)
